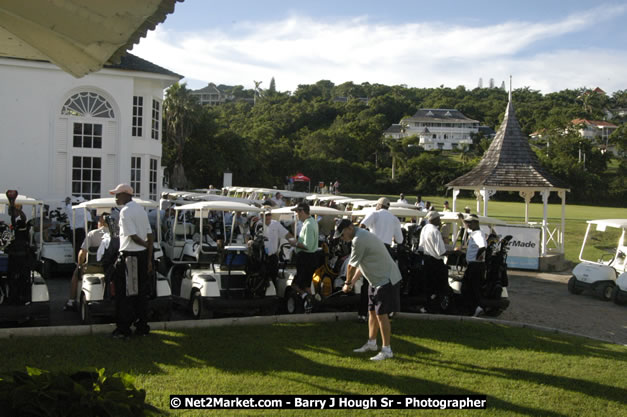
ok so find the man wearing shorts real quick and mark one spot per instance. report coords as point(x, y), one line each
point(370, 256)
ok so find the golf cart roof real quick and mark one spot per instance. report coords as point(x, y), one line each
point(21, 199)
point(181, 197)
point(313, 210)
point(452, 216)
point(397, 211)
point(327, 197)
point(220, 206)
point(109, 202)
point(617, 223)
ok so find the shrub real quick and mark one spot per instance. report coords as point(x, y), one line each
point(86, 394)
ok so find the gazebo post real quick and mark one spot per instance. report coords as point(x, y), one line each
point(527, 195)
point(562, 194)
point(545, 202)
point(455, 194)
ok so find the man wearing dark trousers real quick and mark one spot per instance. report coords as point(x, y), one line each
point(132, 289)
point(475, 272)
point(306, 258)
point(436, 273)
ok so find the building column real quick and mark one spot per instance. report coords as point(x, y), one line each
point(455, 194)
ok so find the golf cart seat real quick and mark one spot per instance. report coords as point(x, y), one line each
point(181, 232)
point(92, 266)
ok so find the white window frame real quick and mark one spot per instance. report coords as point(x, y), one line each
point(153, 173)
point(136, 174)
point(137, 127)
point(85, 177)
point(155, 126)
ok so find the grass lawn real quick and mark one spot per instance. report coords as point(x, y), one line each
point(523, 372)
point(514, 212)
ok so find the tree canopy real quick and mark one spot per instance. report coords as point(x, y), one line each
point(334, 132)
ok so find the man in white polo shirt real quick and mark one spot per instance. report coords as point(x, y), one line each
point(132, 291)
point(370, 256)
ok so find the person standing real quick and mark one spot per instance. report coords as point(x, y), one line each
point(370, 257)
point(419, 203)
point(446, 208)
point(432, 245)
point(386, 227)
point(76, 218)
point(475, 258)
point(132, 288)
point(278, 200)
point(401, 199)
point(306, 258)
point(273, 234)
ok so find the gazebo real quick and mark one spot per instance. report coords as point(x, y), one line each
point(510, 164)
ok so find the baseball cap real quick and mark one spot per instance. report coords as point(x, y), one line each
point(302, 206)
point(343, 224)
point(383, 202)
point(432, 215)
point(471, 218)
point(122, 188)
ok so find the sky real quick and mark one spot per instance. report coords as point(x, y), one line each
point(544, 45)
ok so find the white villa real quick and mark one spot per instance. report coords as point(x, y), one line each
point(65, 136)
point(436, 128)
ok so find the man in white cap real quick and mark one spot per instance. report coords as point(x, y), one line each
point(475, 272)
point(132, 290)
point(434, 250)
point(371, 258)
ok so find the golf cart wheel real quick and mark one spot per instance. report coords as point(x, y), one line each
point(195, 305)
point(493, 312)
point(572, 286)
point(84, 310)
point(198, 308)
point(618, 298)
point(605, 291)
point(293, 303)
point(46, 269)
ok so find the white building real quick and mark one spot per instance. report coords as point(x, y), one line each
point(211, 95)
point(436, 128)
point(66, 136)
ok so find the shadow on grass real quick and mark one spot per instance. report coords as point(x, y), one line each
point(471, 335)
point(315, 352)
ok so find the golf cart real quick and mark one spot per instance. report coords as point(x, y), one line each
point(328, 279)
point(95, 294)
point(23, 292)
point(600, 276)
point(212, 267)
point(55, 253)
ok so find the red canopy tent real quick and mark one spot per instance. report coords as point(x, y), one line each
point(300, 177)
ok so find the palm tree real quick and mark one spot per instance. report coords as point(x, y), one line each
point(258, 91)
point(180, 110)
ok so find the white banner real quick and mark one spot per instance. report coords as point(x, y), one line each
point(524, 248)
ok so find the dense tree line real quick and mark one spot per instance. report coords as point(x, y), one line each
point(331, 132)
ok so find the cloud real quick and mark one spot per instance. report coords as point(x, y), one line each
point(301, 50)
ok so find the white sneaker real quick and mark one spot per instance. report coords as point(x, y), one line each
point(478, 312)
point(368, 347)
point(384, 354)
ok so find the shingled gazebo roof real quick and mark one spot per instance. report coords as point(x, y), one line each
point(509, 163)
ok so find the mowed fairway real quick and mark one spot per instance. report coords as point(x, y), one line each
point(523, 372)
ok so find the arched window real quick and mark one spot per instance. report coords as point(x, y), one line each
point(86, 104)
